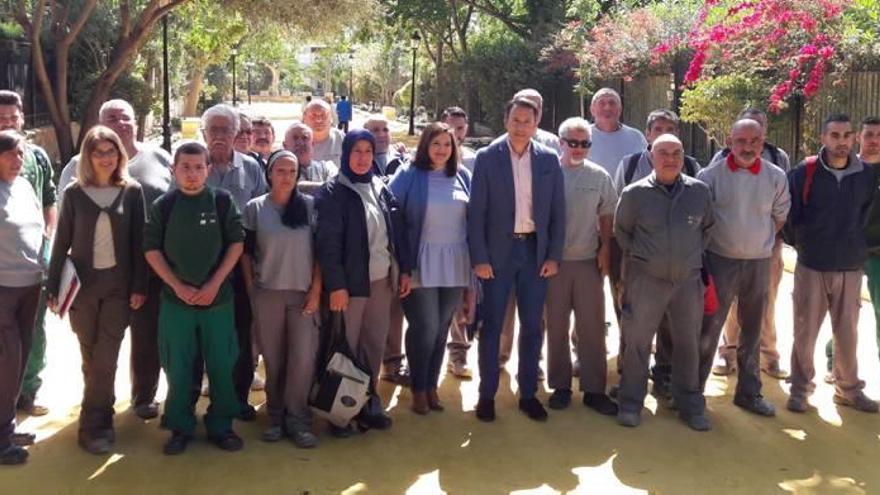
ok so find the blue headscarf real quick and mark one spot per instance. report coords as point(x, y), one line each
point(347, 145)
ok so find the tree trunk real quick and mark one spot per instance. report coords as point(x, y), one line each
point(276, 80)
point(194, 91)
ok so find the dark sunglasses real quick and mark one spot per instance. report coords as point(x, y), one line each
point(574, 143)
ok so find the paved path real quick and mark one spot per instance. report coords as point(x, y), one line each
point(833, 451)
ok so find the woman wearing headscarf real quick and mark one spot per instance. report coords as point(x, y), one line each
point(357, 250)
point(285, 287)
point(433, 193)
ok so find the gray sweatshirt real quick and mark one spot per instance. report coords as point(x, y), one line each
point(665, 230)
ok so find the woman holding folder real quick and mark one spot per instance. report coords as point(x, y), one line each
point(100, 229)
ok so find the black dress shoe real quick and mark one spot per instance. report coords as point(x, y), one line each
point(248, 413)
point(533, 409)
point(559, 399)
point(486, 410)
point(375, 421)
point(177, 443)
point(228, 441)
point(13, 455)
point(601, 403)
point(23, 439)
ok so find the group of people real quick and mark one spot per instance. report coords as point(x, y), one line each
point(232, 249)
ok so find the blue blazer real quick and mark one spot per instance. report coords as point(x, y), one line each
point(410, 187)
point(492, 205)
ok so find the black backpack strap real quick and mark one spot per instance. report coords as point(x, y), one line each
point(165, 207)
point(631, 165)
point(691, 167)
point(774, 153)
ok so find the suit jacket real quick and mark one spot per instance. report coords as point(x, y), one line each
point(492, 205)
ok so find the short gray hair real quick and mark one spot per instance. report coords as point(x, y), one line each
point(297, 124)
point(117, 104)
point(376, 117)
point(606, 92)
point(225, 111)
point(317, 102)
point(662, 114)
point(573, 124)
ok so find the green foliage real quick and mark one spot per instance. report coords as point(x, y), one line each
point(861, 34)
point(714, 103)
point(11, 30)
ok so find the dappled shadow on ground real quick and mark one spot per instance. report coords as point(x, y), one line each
point(829, 451)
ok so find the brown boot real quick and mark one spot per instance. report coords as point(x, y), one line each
point(420, 403)
point(434, 400)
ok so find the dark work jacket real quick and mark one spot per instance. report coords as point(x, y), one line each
point(342, 246)
point(827, 231)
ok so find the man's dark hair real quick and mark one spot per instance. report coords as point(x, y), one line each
point(11, 98)
point(9, 140)
point(191, 148)
point(453, 112)
point(521, 102)
point(259, 120)
point(662, 114)
point(834, 117)
point(751, 111)
point(870, 120)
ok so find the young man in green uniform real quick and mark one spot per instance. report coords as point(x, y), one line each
point(37, 169)
point(193, 240)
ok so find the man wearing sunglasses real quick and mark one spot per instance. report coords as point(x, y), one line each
point(590, 200)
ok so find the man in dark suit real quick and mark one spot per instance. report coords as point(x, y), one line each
point(516, 230)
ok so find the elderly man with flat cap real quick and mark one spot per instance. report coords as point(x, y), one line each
point(663, 224)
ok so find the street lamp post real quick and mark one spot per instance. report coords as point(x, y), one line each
point(248, 66)
point(351, 76)
point(414, 44)
point(234, 52)
point(166, 87)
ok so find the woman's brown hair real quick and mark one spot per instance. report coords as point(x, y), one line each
point(85, 170)
point(423, 159)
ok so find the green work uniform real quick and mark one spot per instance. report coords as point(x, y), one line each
point(194, 241)
point(37, 169)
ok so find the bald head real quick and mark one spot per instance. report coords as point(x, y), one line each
point(667, 156)
point(746, 141)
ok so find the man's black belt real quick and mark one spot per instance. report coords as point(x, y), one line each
point(524, 237)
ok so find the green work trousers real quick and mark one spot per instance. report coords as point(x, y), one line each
point(183, 332)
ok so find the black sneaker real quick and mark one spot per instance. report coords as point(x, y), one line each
point(177, 443)
point(13, 455)
point(559, 399)
point(486, 410)
point(601, 403)
point(148, 410)
point(228, 441)
point(533, 409)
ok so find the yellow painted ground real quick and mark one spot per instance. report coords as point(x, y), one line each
point(577, 451)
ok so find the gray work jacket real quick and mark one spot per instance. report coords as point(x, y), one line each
point(665, 231)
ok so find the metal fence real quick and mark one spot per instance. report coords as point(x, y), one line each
point(794, 130)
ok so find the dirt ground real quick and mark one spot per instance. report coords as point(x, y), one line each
point(577, 451)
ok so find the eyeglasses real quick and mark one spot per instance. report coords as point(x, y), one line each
point(220, 131)
point(107, 153)
point(574, 143)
